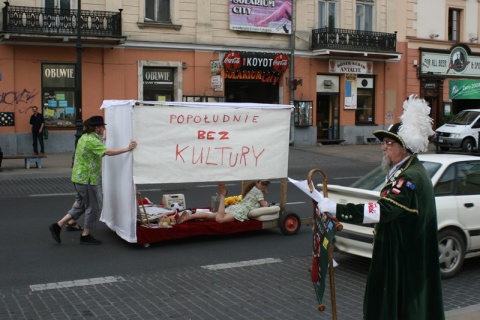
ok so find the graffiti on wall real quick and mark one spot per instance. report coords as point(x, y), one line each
point(11, 98)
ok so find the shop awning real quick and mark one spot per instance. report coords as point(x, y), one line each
point(464, 89)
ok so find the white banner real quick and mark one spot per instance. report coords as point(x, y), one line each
point(187, 143)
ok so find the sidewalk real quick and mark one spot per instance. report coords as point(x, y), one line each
point(53, 166)
point(467, 313)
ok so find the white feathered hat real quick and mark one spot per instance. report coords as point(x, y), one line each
point(415, 128)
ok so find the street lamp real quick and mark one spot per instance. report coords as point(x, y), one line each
point(78, 77)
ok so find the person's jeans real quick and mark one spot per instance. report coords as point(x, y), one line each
point(38, 136)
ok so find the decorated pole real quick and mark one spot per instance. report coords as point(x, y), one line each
point(324, 228)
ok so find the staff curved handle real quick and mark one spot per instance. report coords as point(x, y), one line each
point(310, 184)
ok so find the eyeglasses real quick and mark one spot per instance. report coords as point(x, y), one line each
point(387, 143)
point(265, 183)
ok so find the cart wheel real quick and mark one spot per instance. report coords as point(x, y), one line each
point(146, 245)
point(290, 223)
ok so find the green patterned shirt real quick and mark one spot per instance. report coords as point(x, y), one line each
point(87, 165)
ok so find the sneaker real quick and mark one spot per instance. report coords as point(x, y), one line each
point(55, 231)
point(88, 239)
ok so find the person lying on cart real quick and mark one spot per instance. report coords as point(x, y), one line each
point(253, 197)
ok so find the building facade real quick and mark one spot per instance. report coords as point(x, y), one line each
point(442, 55)
point(345, 65)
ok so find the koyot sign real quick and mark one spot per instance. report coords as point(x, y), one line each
point(235, 61)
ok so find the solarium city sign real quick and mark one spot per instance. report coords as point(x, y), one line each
point(457, 62)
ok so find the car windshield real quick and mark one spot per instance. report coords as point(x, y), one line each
point(375, 179)
point(464, 118)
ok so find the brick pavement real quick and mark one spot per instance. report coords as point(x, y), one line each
point(273, 291)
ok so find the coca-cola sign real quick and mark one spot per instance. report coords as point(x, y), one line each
point(232, 61)
point(235, 61)
point(280, 63)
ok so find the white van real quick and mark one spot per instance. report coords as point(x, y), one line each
point(460, 132)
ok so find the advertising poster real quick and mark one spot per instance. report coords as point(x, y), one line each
point(350, 91)
point(464, 89)
point(268, 16)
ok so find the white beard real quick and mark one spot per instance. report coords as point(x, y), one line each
point(387, 163)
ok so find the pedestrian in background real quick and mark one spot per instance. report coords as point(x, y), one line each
point(86, 172)
point(404, 278)
point(38, 124)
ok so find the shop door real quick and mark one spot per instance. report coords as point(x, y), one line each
point(327, 116)
point(434, 111)
point(432, 91)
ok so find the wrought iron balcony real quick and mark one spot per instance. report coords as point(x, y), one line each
point(33, 23)
point(357, 40)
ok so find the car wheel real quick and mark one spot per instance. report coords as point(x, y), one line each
point(468, 145)
point(451, 252)
point(444, 148)
point(290, 223)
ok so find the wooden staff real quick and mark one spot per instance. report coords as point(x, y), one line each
point(338, 227)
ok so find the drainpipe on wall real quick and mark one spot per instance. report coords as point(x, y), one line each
point(292, 73)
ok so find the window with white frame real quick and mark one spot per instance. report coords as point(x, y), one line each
point(454, 16)
point(364, 15)
point(157, 10)
point(327, 13)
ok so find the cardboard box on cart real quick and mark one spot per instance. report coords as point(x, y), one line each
point(168, 200)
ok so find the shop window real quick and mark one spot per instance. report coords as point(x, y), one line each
point(327, 13)
point(303, 113)
point(158, 83)
point(364, 114)
point(203, 98)
point(454, 16)
point(364, 15)
point(59, 95)
point(157, 11)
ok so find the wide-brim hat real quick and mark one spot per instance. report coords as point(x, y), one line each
point(415, 128)
point(391, 133)
point(96, 121)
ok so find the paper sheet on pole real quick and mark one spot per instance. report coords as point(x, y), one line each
point(187, 144)
point(303, 185)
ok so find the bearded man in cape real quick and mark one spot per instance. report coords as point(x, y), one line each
point(404, 278)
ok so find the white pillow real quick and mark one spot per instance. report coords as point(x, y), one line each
point(255, 213)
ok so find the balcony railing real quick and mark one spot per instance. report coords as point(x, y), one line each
point(60, 22)
point(346, 39)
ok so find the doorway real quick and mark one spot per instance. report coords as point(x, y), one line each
point(432, 91)
point(328, 116)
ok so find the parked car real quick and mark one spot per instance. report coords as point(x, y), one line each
point(456, 181)
point(460, 132)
